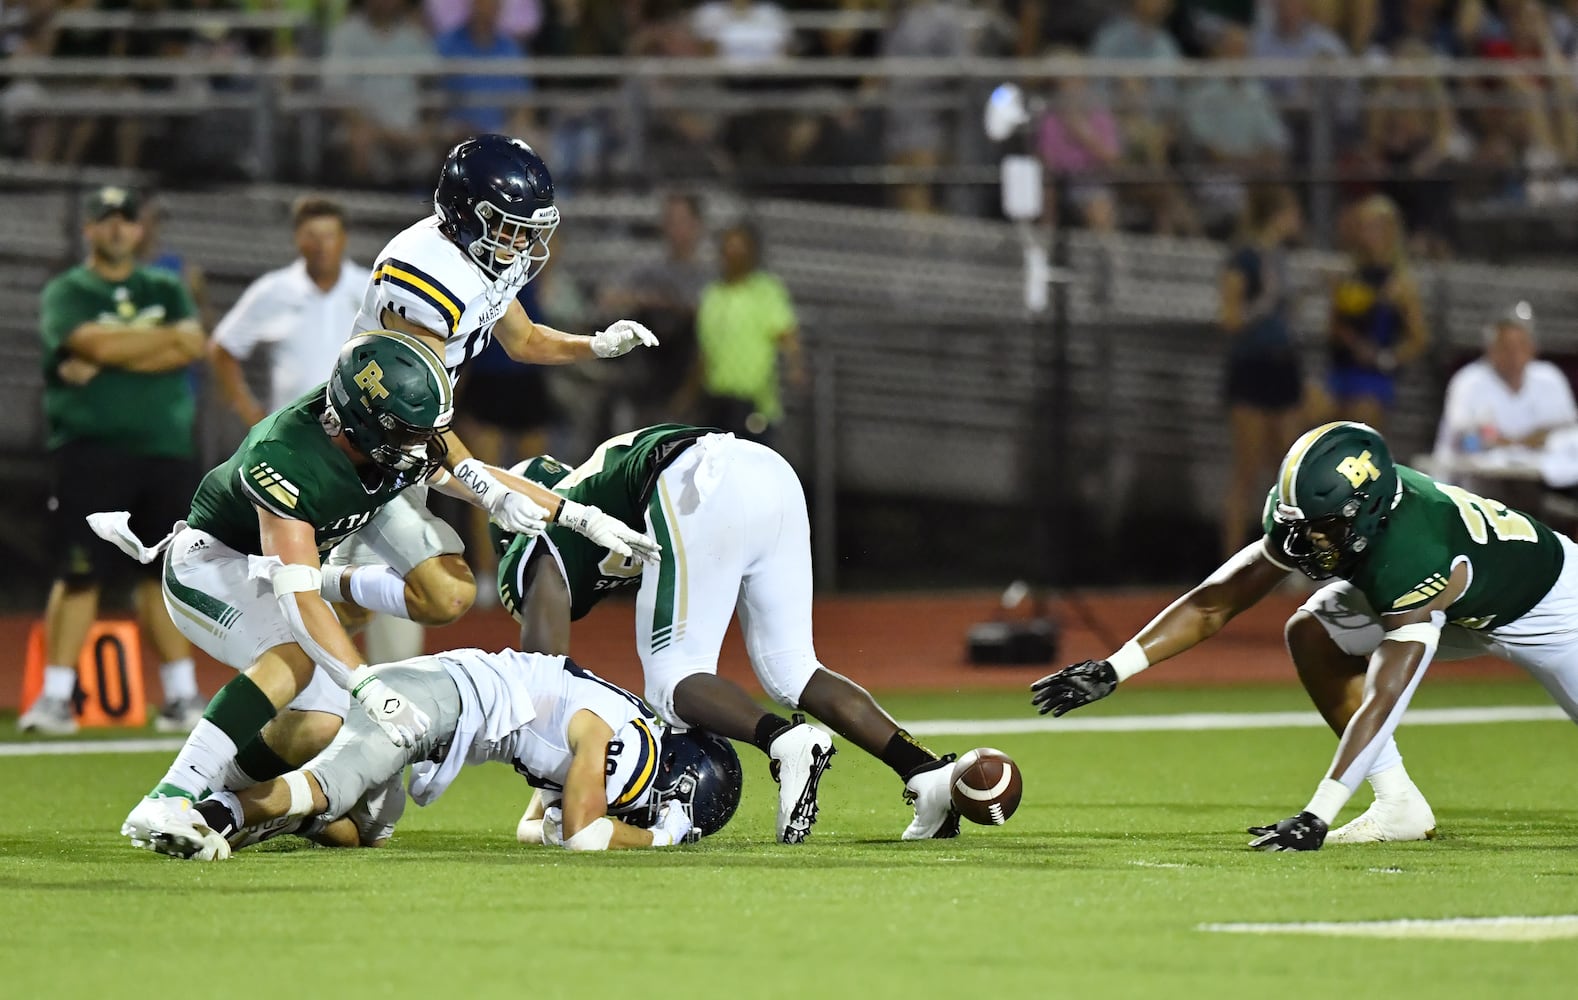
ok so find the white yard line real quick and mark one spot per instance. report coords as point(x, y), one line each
point(1196, 721)
point(1452, 928)
point(1188, 722)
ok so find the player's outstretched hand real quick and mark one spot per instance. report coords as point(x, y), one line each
point(401, 721)
point(1304, 832)
point(621, 338)
point(609, 532)
point(1073, 687)
point(674, 820)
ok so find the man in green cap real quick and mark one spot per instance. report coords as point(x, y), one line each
point(118, 339)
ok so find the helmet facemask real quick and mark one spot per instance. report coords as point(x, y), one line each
point(407, 448)
point(1328, 546)
point(513, 248)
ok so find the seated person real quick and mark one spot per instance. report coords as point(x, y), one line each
point(1507, 397)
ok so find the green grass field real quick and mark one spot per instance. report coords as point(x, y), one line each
point(1125, 844)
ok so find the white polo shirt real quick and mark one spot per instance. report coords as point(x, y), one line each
point(305, 326)
point(1476, 397)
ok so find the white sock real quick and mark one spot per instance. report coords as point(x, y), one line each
point(1388, 758)
point(180, 680)
point(379, 588)
point(60, 683)
point(1392, 783)
point(201, 761)
point(234, 779)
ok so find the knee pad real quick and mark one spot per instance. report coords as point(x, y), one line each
point(784, 675)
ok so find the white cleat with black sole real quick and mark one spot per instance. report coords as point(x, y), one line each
point(930, 791)
point(799, 756)
point(1402, 818)
point(168, 825)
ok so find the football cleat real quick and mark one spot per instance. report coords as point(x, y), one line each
point(48, 717)
point(1403, 818)
point(930, 791)
point(180, 716)
point(799, 755)
point(167, 824)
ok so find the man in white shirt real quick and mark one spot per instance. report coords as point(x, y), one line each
point(743, 31)
point(1506, 397)
point(304, 312)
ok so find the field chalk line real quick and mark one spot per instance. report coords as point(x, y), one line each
point(1551, 928)
point(1187, 722)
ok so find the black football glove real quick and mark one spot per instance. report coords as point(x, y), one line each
point(1304, 832)
point(1074, 686)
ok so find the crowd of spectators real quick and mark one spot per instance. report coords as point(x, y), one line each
point(1168, 155)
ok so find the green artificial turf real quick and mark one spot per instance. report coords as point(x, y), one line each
point(1125, 844)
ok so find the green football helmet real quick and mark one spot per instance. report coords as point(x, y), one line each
point(392, 399)
point(1335, 491)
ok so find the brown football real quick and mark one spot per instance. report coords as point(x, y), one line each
point(986, 786)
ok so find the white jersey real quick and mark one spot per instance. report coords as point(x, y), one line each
point(423, 277)
point(516, 708)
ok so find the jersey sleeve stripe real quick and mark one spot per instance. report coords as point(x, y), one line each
point(262, 501)
point(424, 285)
point(645, 769)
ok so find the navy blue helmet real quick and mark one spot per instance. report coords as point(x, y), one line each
point(703, 772)
point(495, 202)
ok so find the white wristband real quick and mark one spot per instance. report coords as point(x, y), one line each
point(1129, 660)
point(300, 793)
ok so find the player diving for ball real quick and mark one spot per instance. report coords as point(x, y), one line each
point(613, 776)
point(1422, 570)
point(731, 517)
point(451, 280)
point(242, 578)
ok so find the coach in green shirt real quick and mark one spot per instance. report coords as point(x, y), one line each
point(118, 400)
point(744, 322)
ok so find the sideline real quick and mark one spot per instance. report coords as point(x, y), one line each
point(1187, 722)
point(1553, 928)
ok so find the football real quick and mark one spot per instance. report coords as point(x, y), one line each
point(986, 786)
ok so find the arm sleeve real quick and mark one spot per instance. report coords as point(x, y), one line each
point(1427, 634)
point(241, 329)
point(418, 296)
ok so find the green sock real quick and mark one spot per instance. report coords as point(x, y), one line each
point(240, 710)
point(260, 762)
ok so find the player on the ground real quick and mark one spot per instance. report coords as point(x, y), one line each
point(242, 577)
point(1424, 570)
point(594, 749)
point(452, 280)
point(731, 515)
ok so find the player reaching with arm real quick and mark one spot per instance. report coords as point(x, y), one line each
point(595, 750)
point(452, 280)
point(1422, 570)
point(732, 516)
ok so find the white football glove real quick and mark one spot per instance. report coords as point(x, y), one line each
point(609, 532)
point(673, 820)
point(621, 338)
point(512, 511)
point(553, 827)
point(401, 721)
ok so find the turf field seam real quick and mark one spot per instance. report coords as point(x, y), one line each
point(1196, 721)
point(1185, 722)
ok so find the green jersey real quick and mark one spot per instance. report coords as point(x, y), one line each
point(620, 477)
point(142, 413)
point(1513, 559)
point(289, 466)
